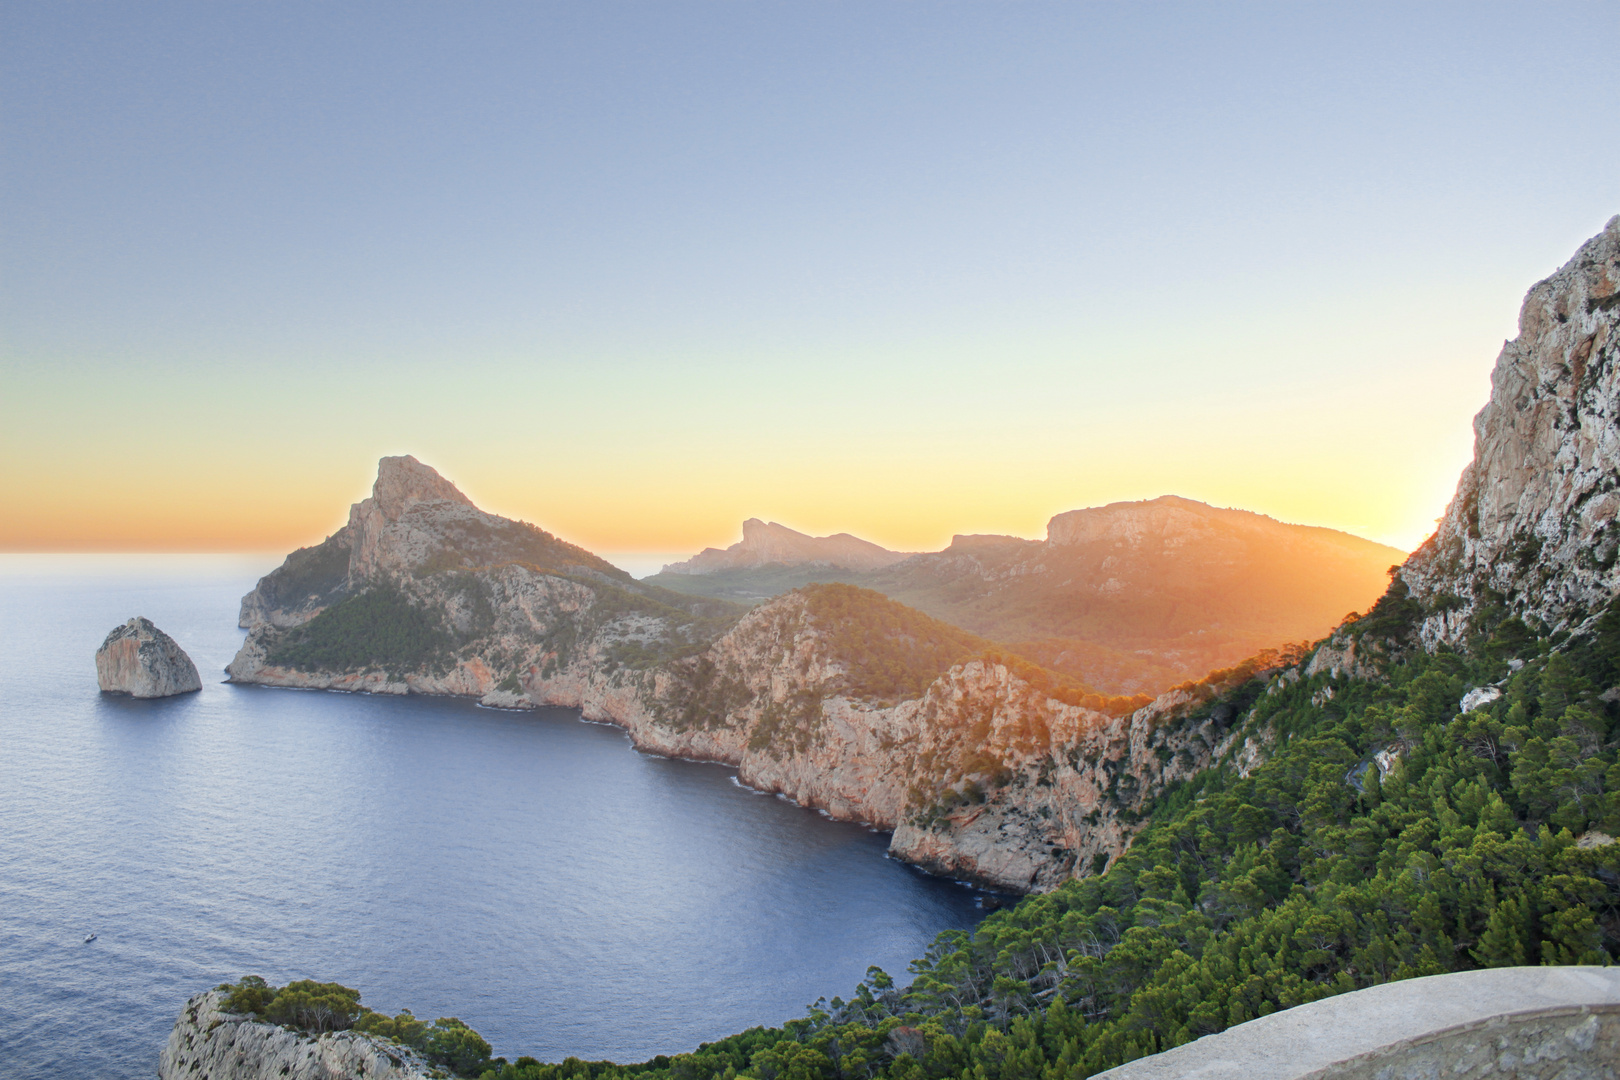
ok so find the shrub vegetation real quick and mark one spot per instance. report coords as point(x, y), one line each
point(1486, 843)
point(318, 1007)
point(381, 627)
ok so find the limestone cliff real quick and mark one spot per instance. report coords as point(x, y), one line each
point(1532, 532)
point(208, 1043)
point(142, 661)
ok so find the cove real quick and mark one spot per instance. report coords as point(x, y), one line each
point(525, 871)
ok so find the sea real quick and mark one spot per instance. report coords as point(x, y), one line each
point(525, 871)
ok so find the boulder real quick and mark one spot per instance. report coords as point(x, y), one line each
point(140, 660)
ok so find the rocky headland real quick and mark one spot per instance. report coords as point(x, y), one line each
point(210, 1043)
point(142, 661)
point(984, 765)
point(1430, 789)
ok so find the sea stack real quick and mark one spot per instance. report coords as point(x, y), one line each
point(142, 661)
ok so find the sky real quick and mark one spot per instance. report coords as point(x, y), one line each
point(636, 272)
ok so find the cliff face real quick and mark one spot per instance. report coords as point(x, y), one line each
point(770, 544)
point(415, 523)
point(207, 1043)
point(982, 774)
point(1531, 531)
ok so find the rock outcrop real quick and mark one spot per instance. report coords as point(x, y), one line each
point(1532, 530)
point(770, 544)
point(208, 1043)
point(140, 660)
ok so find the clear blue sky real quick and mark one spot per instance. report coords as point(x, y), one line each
point(637, 271)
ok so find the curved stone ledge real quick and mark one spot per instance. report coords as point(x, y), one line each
point(1524, 1023)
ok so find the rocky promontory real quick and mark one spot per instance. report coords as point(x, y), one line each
point(209, 1043)
point(142, 661)
point(987, 766)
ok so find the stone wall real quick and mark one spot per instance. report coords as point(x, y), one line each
point(1527, 1023)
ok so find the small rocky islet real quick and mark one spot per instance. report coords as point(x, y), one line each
point(142, 661)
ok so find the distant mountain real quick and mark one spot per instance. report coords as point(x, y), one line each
point(1130, 597)
point(769, 544)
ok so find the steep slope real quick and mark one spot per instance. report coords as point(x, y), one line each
point(769, 544)
point(1531, 532)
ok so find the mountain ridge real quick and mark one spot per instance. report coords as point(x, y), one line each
point(772, 544)
point(1132, 597)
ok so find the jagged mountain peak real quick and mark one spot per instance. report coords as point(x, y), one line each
point(403, 481)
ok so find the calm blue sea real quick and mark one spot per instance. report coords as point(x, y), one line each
point(527, 872)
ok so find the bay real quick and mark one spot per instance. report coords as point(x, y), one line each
point(527, 872)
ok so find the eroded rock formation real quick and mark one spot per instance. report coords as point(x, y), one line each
point(140, 660)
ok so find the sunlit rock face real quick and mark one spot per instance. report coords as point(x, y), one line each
point(1532, 526)
point(208, 1043)
point(142, 661)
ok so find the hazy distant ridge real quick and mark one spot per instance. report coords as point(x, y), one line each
point(767, 543)
point(1131, 597)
